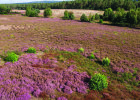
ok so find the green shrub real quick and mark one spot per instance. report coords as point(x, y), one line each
point(71, 16)
point(81, 50)
point(31, 50)
point(12, 57)
point(4, 10)
point(91, 56)
point(106, 61)
point(84, 18)
point(101, 21)
point(98, 82)
point(66, 14)
point(47, 12)
point(30, 12)
point(97, 17)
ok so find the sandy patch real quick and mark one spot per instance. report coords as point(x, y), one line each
point(5, 27)
point(4, 18)
point(60, 12)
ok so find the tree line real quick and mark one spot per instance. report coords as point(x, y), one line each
point(81, 4)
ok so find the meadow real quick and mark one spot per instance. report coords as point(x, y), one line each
point(58, 71)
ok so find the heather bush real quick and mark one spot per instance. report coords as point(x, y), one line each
point(106, 61)
point(12, 57)
point(31, 50)
point(81, 50)
point(84, 18)
point(98, 82)
point(47, 12)
point(101, 21)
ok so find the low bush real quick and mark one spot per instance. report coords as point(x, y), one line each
point(84, 18)
point(101, 21)
point(31, 50)
point(98, 82)
point(12, 57)
point(47, 12)
point(81, 50)
point(106, 61)
point(91, 56)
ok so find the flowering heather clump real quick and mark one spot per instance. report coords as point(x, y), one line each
point(81, 50)
point(62, 98)
point(98, 82)
point(12, 57)
point(31, 50)
point(21, 76)
point(106, 61)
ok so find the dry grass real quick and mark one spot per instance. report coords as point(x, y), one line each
point(60, 12)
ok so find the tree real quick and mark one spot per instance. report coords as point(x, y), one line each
point(47, 12)
point(71, 15)
point(66, 14)
point(4, 10)
point(97, 17)
point(84, 18)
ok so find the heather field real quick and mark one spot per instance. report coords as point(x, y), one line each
point(57, 71)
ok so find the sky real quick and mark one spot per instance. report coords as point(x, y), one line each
point(21, 1)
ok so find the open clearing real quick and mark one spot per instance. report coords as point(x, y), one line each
point(120, 44)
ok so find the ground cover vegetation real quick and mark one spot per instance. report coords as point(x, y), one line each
point(82, 4)
point(87, 61)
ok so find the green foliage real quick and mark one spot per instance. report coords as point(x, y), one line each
point(101, 21)
point(97, 17)
point(31, 50)
point(71, 16)
point(81, 50)
point(91, 56)
point(106, 61)
point(98, 82)
point(91, 18)
point(47, 12)
point(30, 12)
point(68, 15)
point(4, 10)
point(127, 76)
point(84, 18)
point(108, 14)
point(12, 57)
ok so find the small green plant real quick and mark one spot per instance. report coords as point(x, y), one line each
point(91, 56)
point(47, 12)
point(12, 57)
point(12, 36)
point(101, 21)
point(31, 50)
point(106, 61)
point(127, 76)
point(84, 18)
point(97, 17)
point(98, 82)
point(81, 50)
